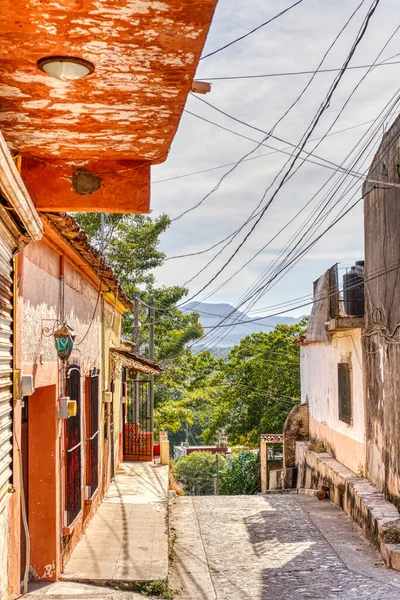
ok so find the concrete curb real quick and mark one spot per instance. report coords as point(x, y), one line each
point(355, 495)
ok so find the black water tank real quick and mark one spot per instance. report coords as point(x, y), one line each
point(353, 290)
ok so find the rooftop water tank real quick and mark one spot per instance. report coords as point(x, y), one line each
point(353, 290)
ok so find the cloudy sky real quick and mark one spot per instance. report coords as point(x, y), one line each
point(296, 41)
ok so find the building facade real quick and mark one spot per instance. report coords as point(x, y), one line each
point(19, 225)
point(65, 463)
point(331, 359)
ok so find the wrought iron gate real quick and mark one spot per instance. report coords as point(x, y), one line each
point(73, 499)
point(138, 437)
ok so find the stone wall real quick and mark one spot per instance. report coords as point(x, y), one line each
point(382, 318)
point(296, 429)
point(358, 498)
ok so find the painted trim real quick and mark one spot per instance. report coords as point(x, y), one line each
point(115, 303)
point(16, 193)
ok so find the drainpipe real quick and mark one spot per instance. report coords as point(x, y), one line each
point(62, 317)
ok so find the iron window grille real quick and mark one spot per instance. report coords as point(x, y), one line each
point(345, 393)
point(73, 495)
point(92, 439)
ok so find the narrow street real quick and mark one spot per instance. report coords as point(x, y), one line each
point(273, 547)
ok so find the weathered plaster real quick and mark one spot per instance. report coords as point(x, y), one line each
point(382, 349)
point(39, 305)
point(156, 47)
point(319, 387)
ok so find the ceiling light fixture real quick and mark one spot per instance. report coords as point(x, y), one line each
point(67, 68)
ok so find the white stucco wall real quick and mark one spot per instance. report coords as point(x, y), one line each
point(319, 386)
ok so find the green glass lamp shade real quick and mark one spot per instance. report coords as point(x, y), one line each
point(64, 340)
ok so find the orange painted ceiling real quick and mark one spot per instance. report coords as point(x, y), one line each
point(145, 53)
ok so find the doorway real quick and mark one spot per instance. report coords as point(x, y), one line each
point(138, 437)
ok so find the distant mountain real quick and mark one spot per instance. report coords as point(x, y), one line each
point(211, 314)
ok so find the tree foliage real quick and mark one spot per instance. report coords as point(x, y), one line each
point(131, 250)
point(250, 393)
point(241, 474)
point(260, 384)
point(197, 472)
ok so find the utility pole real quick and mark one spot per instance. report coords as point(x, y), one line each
point(151, 356)
point(136, 348)
point(136, 323)
point(217, 481)
point(102, 240)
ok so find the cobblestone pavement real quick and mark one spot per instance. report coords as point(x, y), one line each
point(273, 547)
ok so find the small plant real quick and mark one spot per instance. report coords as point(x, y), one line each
point(391, 534)
point(317, 446)
point(172, 541)
point(157, 589)
point(360, 471)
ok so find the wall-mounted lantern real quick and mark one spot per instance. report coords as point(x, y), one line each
point(64, 339)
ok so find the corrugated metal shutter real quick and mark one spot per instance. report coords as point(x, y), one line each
point(6, 359)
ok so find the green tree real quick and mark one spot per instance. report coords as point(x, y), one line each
point(197, 472)
point(259, 385)
point(184, 396)
point(241, 474)
point(131, 249)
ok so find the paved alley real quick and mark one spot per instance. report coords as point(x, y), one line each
point(127, 539)
point(273, 547)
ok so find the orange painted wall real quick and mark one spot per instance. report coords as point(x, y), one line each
point(38, 306)
point(44, 463)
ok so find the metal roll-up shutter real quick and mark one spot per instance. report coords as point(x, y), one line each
point(6, 359)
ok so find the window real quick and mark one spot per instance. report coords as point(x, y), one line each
point(73, 498)
point(92, 432)
point(345, 393)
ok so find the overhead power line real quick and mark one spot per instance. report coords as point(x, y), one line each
point(292, 73)
point(303, 142)
point(193, 173)
point(280, 272)
point(242, 37)
point(287, 111)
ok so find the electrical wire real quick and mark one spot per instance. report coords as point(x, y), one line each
point(304, 224)
point(252, 158)
point(385, 116)
point(227, 173)
point(385, 188)
point(325, 162)
point(378, 56)
point(291, 73)
point(242, 37)
point(306, 136)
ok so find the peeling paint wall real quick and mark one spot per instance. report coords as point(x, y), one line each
point(319, 387)
point(144, 53)
point(41, 302)
point(382, 342)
